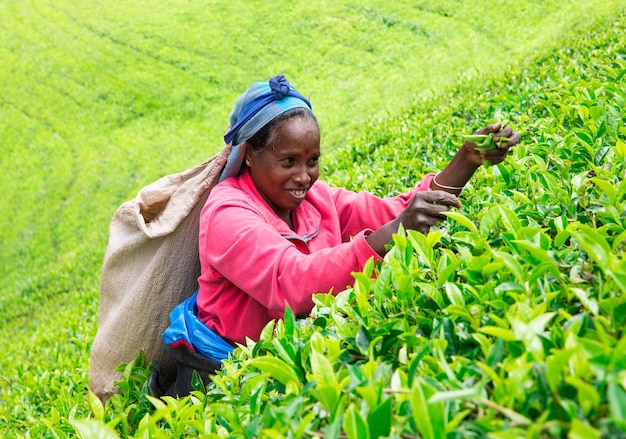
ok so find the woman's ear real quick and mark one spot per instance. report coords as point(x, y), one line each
point(248, 153)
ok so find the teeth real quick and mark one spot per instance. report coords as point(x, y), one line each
point(299, 193)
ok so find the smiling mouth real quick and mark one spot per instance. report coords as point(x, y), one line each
point(298, 193)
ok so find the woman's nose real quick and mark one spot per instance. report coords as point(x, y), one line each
point(302, 175)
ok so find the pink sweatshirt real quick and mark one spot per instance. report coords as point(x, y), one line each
point(252, 263)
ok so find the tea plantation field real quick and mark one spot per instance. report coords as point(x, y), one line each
point(507, 321)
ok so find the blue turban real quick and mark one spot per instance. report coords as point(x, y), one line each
point(261, 103)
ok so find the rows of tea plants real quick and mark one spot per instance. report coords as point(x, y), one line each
point(507, 321)
point(99, 98)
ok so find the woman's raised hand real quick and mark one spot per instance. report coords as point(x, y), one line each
point(504, 138)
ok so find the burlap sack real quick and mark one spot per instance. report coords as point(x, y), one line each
point(151, 264)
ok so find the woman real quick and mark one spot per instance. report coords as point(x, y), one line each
point(272, 234)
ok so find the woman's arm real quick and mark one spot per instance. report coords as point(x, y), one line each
point(426, 209)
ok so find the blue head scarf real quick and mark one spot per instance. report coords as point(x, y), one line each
point(261, 103)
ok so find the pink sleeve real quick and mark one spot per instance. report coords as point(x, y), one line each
point(362, 210)
point(249, 252)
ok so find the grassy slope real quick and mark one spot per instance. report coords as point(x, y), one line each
point(99, 99)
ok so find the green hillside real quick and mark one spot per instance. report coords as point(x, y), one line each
point(99, 99)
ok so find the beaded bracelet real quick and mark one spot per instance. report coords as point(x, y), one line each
point(443, 186)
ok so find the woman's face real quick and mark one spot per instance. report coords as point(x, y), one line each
point(285, 171)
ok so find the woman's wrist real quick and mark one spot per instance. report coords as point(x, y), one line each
point(456, 174)
point(380, 237)
point(466, 158)
point(443, 186)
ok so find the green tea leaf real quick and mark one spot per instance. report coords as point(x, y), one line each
point(454, 294)
point(607, 188)
point(584, 137)
point(589, 303)
point(580, 430)
point(498, 332)
point(422, 246)
point(556, 365)
point(616, 396)
point(510, 220)
point(94, 428)
point(197, 383)
point(329, 396)
point(489, 221)
point(277, 369)
point(538, 324)
point(289, 320)
point(323, 372)
point(511, 263)
point(429, 418)
point(592, 242)
point(462, 219)
point(354, 425)
point(455, 395)
point(620, 148)
point(434, 294)
point(380, 420)
point(97, 408)
point(588, 396)
point(539, 254)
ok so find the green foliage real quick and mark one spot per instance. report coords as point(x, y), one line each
point(506, 322)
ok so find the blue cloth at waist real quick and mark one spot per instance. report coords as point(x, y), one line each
point(186, 329)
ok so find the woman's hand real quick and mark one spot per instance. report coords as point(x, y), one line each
point(494, 156)
point(424, 211)
point(468, 159)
